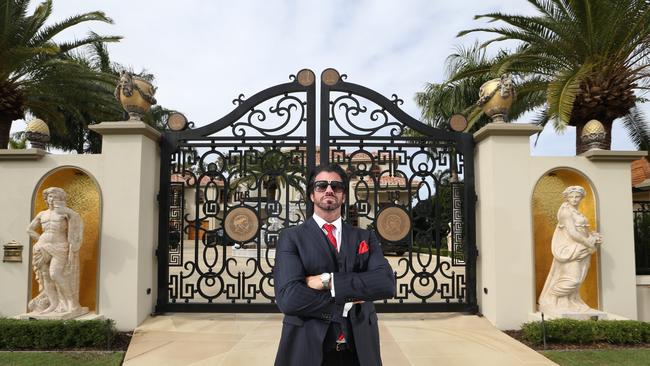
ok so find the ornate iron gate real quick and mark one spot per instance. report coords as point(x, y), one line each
point(228, 188)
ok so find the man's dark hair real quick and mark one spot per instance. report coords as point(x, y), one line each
point(331, 168)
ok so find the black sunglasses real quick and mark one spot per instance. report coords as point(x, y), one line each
point(321, 186)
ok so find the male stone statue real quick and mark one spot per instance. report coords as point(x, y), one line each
point(55, 257)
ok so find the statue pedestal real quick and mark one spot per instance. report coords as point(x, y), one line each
point(592, 315)
point(81, 312)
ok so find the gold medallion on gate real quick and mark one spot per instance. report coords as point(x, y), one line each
point(241, 224)
point(393, 223)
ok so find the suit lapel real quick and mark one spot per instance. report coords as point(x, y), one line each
point(321, 239)
point(349, 249)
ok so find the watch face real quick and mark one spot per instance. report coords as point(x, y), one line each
point(325, 277)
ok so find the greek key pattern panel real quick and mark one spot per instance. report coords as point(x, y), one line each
point(408, 184)
point(235, 203)
point(408, 196)
point(231, 186)
point(234, 185)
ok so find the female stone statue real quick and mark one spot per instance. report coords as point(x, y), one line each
point(572, 247)
point(55, 256)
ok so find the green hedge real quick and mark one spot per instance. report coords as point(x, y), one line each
point(588, 331)
point(56, 334)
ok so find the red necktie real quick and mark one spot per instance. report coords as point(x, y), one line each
point(330, 234)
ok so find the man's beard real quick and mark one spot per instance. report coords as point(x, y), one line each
point(324, 205)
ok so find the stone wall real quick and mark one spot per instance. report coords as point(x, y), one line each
point(127, 175)
point(506, 175)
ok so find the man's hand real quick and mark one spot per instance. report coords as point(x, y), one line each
point(314, 282)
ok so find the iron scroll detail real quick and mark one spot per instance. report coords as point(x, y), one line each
point(397, 164)
point(228, 189)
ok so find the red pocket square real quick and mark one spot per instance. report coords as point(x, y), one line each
point(363, 247)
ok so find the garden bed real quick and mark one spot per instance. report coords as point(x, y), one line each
point(61, 335)
point(570, 334)
point(518, 335)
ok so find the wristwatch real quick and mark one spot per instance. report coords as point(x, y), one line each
point(325, 279)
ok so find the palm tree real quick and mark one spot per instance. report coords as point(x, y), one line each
point(39, 75)
point(588, 57)
point(458, 95)
point(439, 102)
point(272, 170)
point(76, 135)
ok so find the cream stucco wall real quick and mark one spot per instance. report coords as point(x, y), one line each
point(16, 214)
point(643, 297)
point(506, 175)
point(127, 175)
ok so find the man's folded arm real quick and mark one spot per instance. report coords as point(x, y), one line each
point(292, 294)
point(376, 283)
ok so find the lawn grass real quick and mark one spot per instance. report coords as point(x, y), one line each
point(81, 358)
point(627, 357)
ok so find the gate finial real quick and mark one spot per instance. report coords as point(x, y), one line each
point(306, 77)
point(330, 76)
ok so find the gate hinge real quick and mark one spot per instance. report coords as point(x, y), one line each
point(156, 252)
point(476, 253)
point(158, 197)
point(475, 197)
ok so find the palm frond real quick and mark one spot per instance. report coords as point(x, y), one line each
point(636, 124)
point(561, 94)
point(91, 39)
point(473, 117)
point(47, 34)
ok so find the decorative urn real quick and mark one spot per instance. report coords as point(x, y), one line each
point(593, 135)
point(135, 94)
point(496, 97)
point(37, 133)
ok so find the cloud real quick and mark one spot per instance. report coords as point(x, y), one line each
point(204, 53)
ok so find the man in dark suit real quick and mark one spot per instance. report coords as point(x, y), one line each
point(327, 273)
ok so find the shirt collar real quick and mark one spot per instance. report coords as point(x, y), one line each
point(320, 221)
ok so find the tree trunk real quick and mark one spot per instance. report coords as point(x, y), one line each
point(5, 128)
point(270, 193)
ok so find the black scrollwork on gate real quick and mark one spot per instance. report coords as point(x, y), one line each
point(396, 161)
point(227, 189)
point(232, 186)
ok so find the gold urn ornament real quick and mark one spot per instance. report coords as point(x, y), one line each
point(135, 94)
point(37, 133)
point(496, 97)
point(594, 136)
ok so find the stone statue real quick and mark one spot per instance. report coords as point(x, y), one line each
point(55, 258)
point(572, 246)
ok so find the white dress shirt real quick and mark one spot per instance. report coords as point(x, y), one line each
point(338, 224)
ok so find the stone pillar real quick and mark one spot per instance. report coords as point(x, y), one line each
point(131, 163)
point(613, 183)
point(505, 283)
point(506, 176)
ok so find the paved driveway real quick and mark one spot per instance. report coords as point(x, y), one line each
point(251, 339)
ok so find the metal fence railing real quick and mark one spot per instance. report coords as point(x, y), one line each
point(642, 237)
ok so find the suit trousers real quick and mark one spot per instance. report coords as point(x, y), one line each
point(346, 357)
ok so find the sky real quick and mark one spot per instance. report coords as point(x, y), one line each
point(203, 53)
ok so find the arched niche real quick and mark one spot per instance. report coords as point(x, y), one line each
point(547, 198)
point(84, 197)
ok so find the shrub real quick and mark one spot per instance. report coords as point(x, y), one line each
point(588, 331)
point(18, 334)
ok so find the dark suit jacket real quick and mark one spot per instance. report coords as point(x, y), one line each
point(304, 250)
